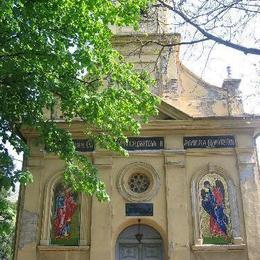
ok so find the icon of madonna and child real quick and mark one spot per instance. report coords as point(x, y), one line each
point(215, 223)
point(65, 217)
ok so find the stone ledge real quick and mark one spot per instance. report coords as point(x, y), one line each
point(218, 248)
point(63, 248)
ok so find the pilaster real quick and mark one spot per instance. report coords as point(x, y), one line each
point(250, 192)
point(177, 212)
point(101, 220)
point(29, 215)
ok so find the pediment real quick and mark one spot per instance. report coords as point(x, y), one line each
point(168, 112)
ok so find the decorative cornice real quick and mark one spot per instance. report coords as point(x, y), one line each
point(216, 151)
point(135, 37)
point(216, 124)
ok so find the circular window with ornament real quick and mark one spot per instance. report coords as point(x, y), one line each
point(138, 182)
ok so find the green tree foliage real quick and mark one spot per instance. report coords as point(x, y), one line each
point(61, 50)
point(7, 225)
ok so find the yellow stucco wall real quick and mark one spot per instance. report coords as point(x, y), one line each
point(173, 216)
point(176, 85)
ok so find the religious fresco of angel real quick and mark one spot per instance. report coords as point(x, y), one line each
point(215, 221)
point(65, 216)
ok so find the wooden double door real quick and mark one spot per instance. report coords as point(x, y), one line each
point(150, 247)
point(140, 251)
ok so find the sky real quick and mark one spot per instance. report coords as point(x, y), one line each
point(244, 67)
point(18, 165)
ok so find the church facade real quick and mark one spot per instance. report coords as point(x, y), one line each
point(188, 190)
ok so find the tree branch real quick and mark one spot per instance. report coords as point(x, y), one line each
point(210, 36)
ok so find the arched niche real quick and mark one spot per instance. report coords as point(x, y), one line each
point(214, 206)
point(139, 242)
point(65, 216)
point(48, 208)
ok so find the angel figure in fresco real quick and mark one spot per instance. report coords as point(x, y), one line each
point(213, 203)
point(65, 207)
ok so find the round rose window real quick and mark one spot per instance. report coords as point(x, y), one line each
point(138, 182)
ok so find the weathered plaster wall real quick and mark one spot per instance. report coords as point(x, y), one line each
point(176, 85)
point(250, 190)
point(154, 20)
point(173, 216)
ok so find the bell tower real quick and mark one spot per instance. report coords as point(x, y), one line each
point(154, 20)
point(153, 48)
